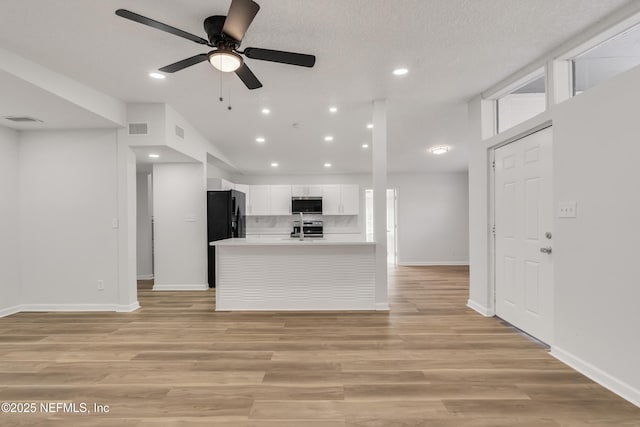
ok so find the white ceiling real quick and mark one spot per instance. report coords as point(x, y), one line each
point(454, 50)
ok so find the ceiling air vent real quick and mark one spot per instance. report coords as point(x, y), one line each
point(138, 128)
point(179, 132)
point(23, 119)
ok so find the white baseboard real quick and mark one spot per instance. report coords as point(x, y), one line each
point(617, 386)
point(9, 311)
point(79, 307)
point(382, 306)
point(480, 309)
point(145, 277)
point(432, 263)
point(128, 308)
point(69, 307)
point(180, 287)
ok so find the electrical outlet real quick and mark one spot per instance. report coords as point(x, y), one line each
point(567, 210)
point(101, 285)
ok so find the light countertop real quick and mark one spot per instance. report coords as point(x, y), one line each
point(287, 241)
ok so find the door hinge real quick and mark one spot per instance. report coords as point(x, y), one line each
point(493, 229)
point(493, 165)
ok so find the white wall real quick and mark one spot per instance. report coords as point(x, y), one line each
point(433, 212)
point(68, 199)
point(143, 231)
point(9, 243)
point(596, 152)
point(180, 229)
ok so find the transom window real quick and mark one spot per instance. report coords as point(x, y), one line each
point(527, 99)
point(606, 60)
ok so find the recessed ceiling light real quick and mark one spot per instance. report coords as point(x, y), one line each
point(439, 149)
point(266, 111)
point(328, 138)
point(157, 76)
point(260, 140)
point(333, 109)
point(370, 126)
point(327, 165)
point(154, 156)
point(400, 71)
point(274, 165)
point(365, 145)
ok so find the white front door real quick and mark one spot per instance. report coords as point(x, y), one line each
point(523, 234)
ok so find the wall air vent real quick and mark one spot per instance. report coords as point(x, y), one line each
point(23, 119)
point(179, 132)
point(138, 128)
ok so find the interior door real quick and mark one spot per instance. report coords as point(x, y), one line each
point(523, 235)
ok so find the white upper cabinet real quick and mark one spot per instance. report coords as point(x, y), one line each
point(280, 199)
point(350, 197)
point(340, 199)
point(276, 199)
point(331, 200)
point(306, 190)
point(258, 200)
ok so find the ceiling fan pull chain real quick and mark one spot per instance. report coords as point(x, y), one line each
point(220, 80)
point(229, 107)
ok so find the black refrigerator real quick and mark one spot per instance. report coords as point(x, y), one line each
point(226, 218)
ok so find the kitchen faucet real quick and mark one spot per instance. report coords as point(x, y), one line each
point(301, 227)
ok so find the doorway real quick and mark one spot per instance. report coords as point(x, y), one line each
point(392, 223)
point(523, 220)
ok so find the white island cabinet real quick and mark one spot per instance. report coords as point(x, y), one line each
point(288, 274)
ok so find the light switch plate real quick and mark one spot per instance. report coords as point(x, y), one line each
point(567, 210)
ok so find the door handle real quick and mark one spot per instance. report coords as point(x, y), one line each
point(546, 250)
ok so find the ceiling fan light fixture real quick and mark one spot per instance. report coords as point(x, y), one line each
point(225, 60)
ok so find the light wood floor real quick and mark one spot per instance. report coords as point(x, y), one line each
point(429, 362)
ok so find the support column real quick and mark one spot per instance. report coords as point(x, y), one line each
point(380, 200)
point(126, 224)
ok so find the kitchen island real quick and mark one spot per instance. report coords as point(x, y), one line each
point(289, 274)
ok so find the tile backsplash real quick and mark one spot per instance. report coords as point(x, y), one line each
point(333, 224)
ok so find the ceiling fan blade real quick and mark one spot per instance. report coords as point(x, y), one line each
point(159, 26)
point(290, 58)
point(248, 78)
point(180, 65)
point(239, 17)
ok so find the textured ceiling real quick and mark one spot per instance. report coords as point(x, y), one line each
point(454, 49)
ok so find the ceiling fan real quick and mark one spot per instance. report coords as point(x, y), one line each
point(225, 33)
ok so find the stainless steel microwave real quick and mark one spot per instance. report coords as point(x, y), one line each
point(312, 205)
